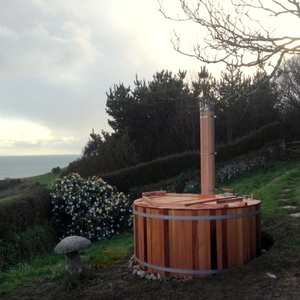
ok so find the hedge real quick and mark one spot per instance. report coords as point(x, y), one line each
point(24, 210)
point(25, 229)
point(170, 166)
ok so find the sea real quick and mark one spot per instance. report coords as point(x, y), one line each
point(32, 165)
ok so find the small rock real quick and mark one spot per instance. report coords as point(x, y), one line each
point(272, 276)
point(150, 276)
point(141, 273)
point(137, 267)
point(134, 271)
point(296, 215)
point(130, 264)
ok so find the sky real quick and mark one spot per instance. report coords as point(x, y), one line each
point(58, 58)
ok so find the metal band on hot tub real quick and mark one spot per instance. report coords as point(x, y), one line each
point(197, 218)
point(181, 271)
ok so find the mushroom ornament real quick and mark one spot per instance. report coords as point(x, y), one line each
point(70, 247)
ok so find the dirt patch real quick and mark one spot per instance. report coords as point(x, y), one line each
point(252, 281)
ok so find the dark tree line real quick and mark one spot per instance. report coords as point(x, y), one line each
point(161, 117)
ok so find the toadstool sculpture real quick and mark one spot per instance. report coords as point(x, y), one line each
point(70, 247)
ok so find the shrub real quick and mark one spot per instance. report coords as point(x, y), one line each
point(16, 247)
point(24, 223)
point(89, 207)
point(30, 207)
point(9, 183)
point(56, 170)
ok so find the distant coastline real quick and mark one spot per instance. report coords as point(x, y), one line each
point(32, 165)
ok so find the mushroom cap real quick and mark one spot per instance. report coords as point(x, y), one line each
point(71, 244)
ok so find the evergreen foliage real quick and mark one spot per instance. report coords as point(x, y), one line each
point(160, 118)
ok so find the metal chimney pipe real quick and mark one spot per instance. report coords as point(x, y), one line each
point(207, 150)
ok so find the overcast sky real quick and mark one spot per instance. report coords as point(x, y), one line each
point(58, 58)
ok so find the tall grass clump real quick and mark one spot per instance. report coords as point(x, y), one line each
point(89, 207)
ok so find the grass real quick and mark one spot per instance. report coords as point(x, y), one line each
point(102, 253)
point(43, 265)
point(278, 181)
point(111, 251)
point(14, 189)
point(45, 179)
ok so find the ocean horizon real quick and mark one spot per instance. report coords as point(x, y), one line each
point(32, 165)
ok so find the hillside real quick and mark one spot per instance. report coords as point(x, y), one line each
point(274, 275)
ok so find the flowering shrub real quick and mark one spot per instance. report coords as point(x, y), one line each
point(233, 169)
point(189, 183)
point(89, 207)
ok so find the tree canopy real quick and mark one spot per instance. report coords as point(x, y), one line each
point(289, 88)
point(161, 117)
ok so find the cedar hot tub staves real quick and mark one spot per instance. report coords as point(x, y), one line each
point(187, 235)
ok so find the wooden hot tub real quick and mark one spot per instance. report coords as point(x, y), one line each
point(188, 235)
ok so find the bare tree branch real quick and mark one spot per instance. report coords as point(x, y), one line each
point(237, 31)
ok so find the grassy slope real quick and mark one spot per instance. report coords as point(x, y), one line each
point(14, 190)
point(270, 185)
point(46, 179)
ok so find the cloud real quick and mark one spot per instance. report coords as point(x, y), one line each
point(56, 56)
point(27, 137)
point(59, 58)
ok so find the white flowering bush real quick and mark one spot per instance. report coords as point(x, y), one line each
point(233, 169)
point(89, 207)
point(190, 183)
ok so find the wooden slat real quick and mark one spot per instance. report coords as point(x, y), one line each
point(232, 240)
point(230, 199)
point(193, 202)
point(148, 200)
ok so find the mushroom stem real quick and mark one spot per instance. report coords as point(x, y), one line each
point(73, 263)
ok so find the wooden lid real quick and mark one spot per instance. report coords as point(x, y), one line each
point(162, 199)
